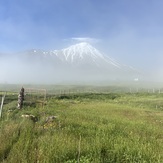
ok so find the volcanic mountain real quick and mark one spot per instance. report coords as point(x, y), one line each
point(82, 54)
point(79, 62)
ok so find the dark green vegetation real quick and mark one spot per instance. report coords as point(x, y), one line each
point(89, 128)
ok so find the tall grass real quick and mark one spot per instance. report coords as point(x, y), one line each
point(90, 128)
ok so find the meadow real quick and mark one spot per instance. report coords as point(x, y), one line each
point(88, 128)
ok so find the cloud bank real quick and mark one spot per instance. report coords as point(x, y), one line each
point(85, 39)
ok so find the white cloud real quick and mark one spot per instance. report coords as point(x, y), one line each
point(85, 39)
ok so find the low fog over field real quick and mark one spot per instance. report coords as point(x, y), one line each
point(77, 63)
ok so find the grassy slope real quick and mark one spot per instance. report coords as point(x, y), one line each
point(89, 128)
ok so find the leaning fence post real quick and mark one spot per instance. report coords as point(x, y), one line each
point(21, 98)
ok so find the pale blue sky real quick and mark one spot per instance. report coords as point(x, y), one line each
point(130, 31)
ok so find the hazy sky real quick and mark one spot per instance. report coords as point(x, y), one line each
point(130, 31)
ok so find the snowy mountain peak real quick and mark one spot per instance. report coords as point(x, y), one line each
point(80, 51)
point(81, 55)
point(83, 47)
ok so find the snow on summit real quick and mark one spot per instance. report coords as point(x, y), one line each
point(80, 51)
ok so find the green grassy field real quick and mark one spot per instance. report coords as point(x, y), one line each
point(89, 128)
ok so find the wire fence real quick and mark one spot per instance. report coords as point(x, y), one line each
point(43, 93)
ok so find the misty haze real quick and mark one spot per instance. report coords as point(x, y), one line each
point(78, 63)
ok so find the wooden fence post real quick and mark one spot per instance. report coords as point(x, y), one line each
point(21, 98)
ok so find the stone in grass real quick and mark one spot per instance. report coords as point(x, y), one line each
point(50, 122)
point(50, 119)
point(30, 116)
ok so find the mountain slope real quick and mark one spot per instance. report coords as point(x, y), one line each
point(79, 62)
point(84, 54)
point(77, 55)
